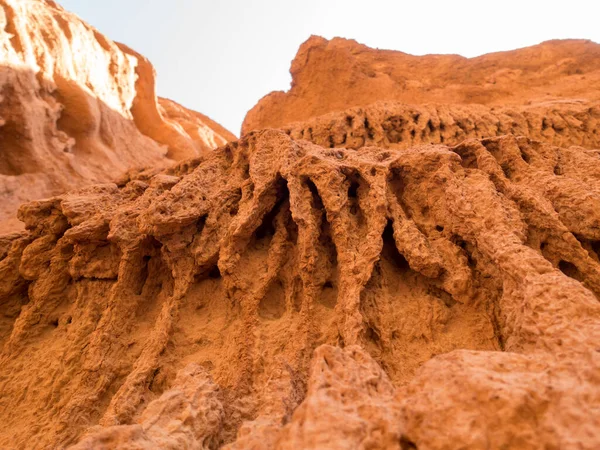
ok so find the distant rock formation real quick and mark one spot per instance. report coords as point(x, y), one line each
point(77, 108)
point(329, 76)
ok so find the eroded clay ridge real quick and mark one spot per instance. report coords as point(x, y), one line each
point(77, 108)
point(334, 75)
point(397, 125)
point(277, 294)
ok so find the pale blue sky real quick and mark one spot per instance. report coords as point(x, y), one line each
point(219, 57)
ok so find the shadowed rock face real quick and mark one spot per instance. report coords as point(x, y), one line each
point(77, 108)
point(330, 76)
point(311, 298)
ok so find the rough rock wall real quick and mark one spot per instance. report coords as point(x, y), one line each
point(311, 298)
point(77, 108)
point(397, 125)
point(335, 75)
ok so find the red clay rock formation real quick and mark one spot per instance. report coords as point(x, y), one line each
point(431, 297)
point(329, 76)
point(77, 108)
point(397, 125)
point(416, 277)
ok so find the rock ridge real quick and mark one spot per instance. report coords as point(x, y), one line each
point(337, 74)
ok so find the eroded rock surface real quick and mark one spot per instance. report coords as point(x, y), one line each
point(189, 415)
point(398, 125)
point(77, 108)
point(429, 297)
point(330, 76)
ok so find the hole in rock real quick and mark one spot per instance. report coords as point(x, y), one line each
point(596, 247)
point(272, 305)
point(390, 251)
point(545, 124)
point(291, 227)
point(407, 444)
point(214, 273)
point(353, 190)
point(430, 126)
point(200, 224)
point(143, 277)
point(353, 197)
point(467, 250)
point(524, 155)
point(370, 134)
point(397, 183)
point(439, 228)
point(557, 169)
point(570, 270)
point(328, 296)
point(154, 384)
point(316, 202)
point(267, 227)
point(325, 240)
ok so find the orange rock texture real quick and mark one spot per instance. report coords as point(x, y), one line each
point(455, 290)
point(77, 108)
point(384, 276)
point(398, 125)
point(329, 76)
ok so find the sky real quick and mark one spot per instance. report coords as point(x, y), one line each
point(220, 57)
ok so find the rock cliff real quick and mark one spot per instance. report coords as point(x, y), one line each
point(278, 294)
point(77, 108)
point(408, 262)
point(329, 76)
